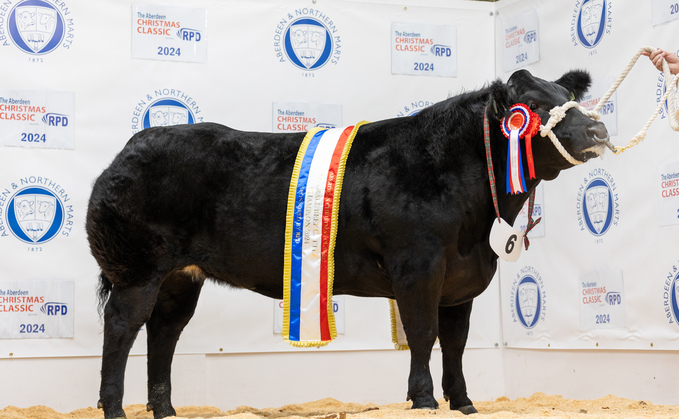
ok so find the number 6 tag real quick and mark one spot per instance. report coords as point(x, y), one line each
point(506, 241)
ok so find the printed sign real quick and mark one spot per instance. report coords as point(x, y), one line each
point(37, 119)
point(664, 11)
point(669, 194)
point(520, 41)
point(301, 117)
point(602, 300)
point(609, 112)
point(337, 308)
point(423, 50)
point(36, 309)
point(538, 211)
point(169, 33)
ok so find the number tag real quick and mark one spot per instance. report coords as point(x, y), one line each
point(506, 241)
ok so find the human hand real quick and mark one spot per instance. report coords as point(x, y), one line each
point(659, 55)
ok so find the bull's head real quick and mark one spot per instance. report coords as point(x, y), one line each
point(581, 136)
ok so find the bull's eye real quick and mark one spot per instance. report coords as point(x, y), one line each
point(533, 106)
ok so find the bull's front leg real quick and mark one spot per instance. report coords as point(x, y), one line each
point(453, 332)
point(418, 295)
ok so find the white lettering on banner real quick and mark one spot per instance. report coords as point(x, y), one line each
point(37, 119)
point(665, 11)
point(423, 50)
point(169, 33)
point(301, 117)
point(602, 300)
point(668, 193)
point(36, 309)
point(520, 40)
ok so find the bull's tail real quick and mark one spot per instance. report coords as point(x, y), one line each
point(104, 290)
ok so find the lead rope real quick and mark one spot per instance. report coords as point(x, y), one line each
point(491, 179)
point(559, 112)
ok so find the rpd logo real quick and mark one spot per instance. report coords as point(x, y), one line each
point(55, 120)
point(414, 108)
point(530, 37)
point(54, 309)
point(528, 298)
point(186, 34)
point(441, 50)
point(165, 107)
point(598, 206)
point(613, 298)
point(671, 295)
point(308, 39)
point(591, 19)
point(37, 27)
point(325, 125)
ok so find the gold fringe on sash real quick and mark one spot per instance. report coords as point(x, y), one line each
point(398, 335)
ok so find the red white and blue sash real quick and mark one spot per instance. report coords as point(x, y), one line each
point(310, 232)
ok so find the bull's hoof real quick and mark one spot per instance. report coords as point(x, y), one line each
point(110, 415)
point(467, 410)
point(160, 411)
point(430, 404)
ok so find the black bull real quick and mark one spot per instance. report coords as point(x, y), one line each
point(185, 203)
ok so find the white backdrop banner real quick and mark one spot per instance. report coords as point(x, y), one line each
point(329, 60)
point(605, 223)
point(605, 273)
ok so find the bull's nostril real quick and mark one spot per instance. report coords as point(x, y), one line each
point(598, 131)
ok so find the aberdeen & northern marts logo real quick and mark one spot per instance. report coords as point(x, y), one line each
point(36, 27)
point(35, 210)
point(308, 39)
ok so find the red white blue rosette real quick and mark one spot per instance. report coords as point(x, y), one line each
point(521, 123)
point(518, 120)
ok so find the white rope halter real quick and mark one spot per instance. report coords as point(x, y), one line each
point(559, 112)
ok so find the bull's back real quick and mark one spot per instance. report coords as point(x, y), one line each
point(200, 194)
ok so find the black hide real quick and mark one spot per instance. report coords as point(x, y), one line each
point(184, 203)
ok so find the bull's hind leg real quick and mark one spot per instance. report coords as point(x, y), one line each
point(453, 332)
point(126, 311)
point(174, 308)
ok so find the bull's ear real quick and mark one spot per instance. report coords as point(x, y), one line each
point(498, 100)
point(577, 82)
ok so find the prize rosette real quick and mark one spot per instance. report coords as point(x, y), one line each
point(522, 123)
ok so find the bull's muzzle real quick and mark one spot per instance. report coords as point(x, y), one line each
point(599, 134)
